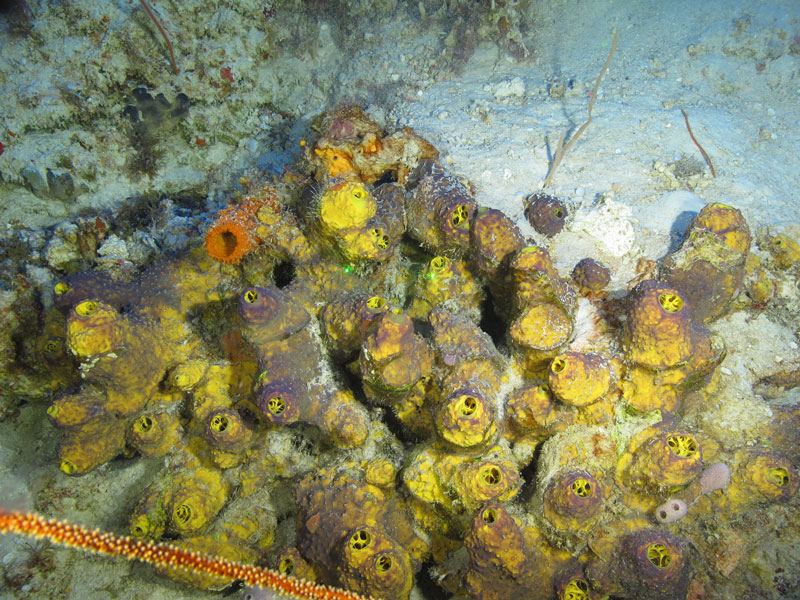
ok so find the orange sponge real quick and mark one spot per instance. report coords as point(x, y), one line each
point(232, 235)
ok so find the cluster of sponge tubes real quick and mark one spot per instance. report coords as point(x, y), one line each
point(430, 355)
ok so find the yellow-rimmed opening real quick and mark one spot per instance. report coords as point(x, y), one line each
point(360, 539)
point(286, 566)
point(682, 445)
point(140, 526)
point(380, 239)
point(467, 405)
point(220, 423)
point(183, 514)
point(671, 303)
point(779, 476)
point(276, 405)
point(659, 555)
point(582, 487)
point(375, 303)
point(383, 564)
point(85, 308)
point(144, 424)
point(439, 263)
point(576, 589)
point(52, 346)
point(250, 296)
point(460, 216)
point(491, 475)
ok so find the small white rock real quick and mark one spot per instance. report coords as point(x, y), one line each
point(510, 88)
point(115, 247)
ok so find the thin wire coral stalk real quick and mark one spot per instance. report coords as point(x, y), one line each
point(164, 35)
point(563, 148)
point(699, 147)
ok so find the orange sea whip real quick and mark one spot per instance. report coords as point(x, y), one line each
point(165, 555)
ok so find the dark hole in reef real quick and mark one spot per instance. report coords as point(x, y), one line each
point(528, 474)
point(228, 242)
point(235, 589)
point(284, 273)
point(396, 427)
point(301, 438)
point(491, 322)
point(427, 584)
point(387, 177)
point(353, 382)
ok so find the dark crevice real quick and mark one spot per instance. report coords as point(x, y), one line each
point(491, 323)
point(284, 274)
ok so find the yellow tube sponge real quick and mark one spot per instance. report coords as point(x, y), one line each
point(343, 419)
point(229, 437)
point(508, 558)
point(727, 223)
point(347, 205)
point(90, 445)
point(539, 333)
point(535, 280)
point(494, 236)
point(439, 211)
point(393, 357)
point(357, 532)
point(495, 539)
point(493, 478)
point(572, 503)
point(345, 323)
point(784, 250)
point(531, 412)
point(154, 433)
point(579, 378)
point(761, 476)
point(649, 564)
point(659, 332)
point(94, 328)
point(422, 480)
point(348, 218)
point(465, 418)
point(659, 459)
point(709, 266)
point(122, 354)
point(197, 496)
point(446, 283)
point(372, 564)
point(149, 518)
point(71, 410)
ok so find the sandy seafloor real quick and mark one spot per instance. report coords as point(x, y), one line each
point(491, 85)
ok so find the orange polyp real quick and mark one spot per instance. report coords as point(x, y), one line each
point(232, 235)
point(165, 555)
